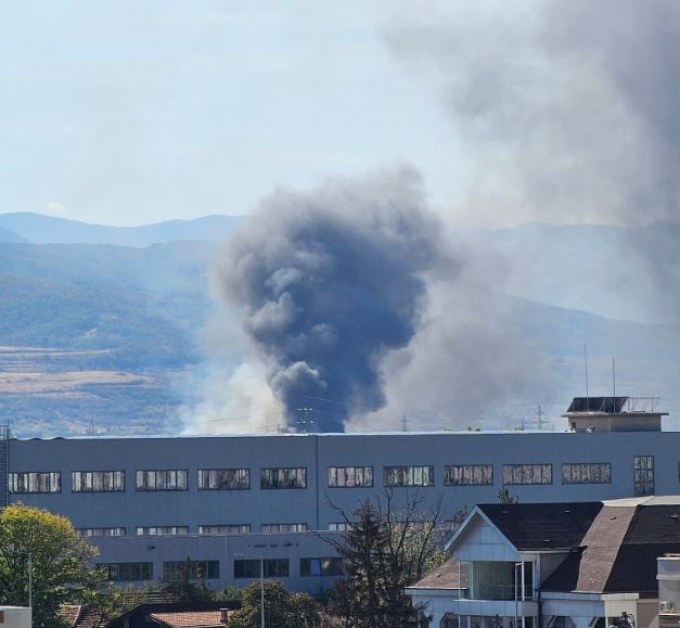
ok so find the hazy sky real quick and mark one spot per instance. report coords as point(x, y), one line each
point(132, 112)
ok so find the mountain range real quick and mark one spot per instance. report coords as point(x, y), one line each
point(101, 328)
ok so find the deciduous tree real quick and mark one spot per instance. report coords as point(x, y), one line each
point(385, 550)
point(46, 544)
point(283, 609)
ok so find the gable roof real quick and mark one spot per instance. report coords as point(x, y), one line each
point(535, 527)
point(620, 550)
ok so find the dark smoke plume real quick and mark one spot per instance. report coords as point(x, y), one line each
point(330, 282)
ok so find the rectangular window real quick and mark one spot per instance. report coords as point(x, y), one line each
point(586, 473)
point(161, 530)
point(198, 569)
point(223, 479)
point(408, 476)
point(283, 477)
point(339, 526)
point(86, 533)
point(320, 567)
point(643, 475)
point(161, 480)
point(38, 482)
point(97, 481)
point(276, 528)
point(218, 530)
point(468, 475)
point(127, 572)
point(273, 568)
point(350, 477)
point(527, 474)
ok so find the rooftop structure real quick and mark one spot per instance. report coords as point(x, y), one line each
point(614, 414)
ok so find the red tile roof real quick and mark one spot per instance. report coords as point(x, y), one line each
point(191, 619)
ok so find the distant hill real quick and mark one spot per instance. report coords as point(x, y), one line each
point(99, 333)
point(6, 235)
point(41, 229)
point(618, 272)
point(110, 333)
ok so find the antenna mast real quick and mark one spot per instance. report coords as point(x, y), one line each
point(585, 359)
point(614, 382)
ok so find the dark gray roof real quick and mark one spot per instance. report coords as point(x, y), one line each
point(543, 526)
point(620, 550)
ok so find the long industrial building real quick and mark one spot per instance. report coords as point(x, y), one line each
point(229, 502)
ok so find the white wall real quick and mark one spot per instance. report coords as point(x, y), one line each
point(15, 617)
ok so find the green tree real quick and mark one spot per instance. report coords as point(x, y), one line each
point(384, 551)
point(109, 600)
point(283, 609)
point(505, 497)
point(58, 561)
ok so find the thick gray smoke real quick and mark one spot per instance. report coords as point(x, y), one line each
point(569, 109)
point(331, 281)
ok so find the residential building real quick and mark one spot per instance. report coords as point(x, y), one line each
point(560, 565)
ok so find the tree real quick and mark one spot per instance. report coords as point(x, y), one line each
point(505, 497)
point(283, 609)
point(58, 561)
point(107, 600)
point(383, 552)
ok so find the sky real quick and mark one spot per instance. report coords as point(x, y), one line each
point(126, 113)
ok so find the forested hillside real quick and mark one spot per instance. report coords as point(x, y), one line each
point(102, 338)
point(105, 332)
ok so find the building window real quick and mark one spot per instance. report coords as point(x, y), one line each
point(527, 474)
point(643, 475)
point(468, 475)
point(587, 473)
point(161, 480)
point(39, 482)
point(127, 572)
point(276, 528)
point(223, 479)
point(320, 567)
point(161, 530)
point(350, 477)
point(97, 481)
point(283, 477)
point(238, 528)
point(273, 568)
point(86, 533)
point(198, 569)
point(408, 476)
point(339, 526)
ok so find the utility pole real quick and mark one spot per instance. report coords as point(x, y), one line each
point(262, 592)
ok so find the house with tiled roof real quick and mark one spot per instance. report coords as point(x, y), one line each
point(201, 614)
point(563, 565)
point(192, 619)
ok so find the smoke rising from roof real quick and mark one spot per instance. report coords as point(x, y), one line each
point(330, 282)
point(569, 109)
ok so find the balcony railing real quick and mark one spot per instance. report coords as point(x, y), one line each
point(503, 592)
